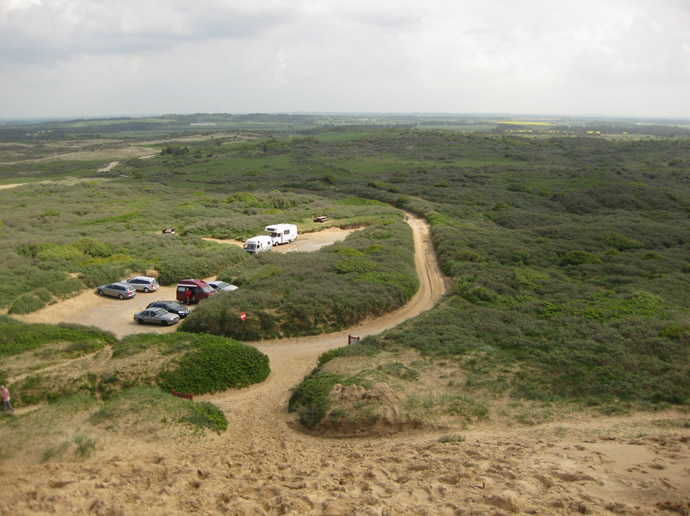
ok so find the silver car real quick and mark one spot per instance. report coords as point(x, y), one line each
point(120, 290)
point(156, 315)
point(144, 283)
point(222, 285)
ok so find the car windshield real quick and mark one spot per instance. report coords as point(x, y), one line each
point(208, 288)
point(174, 305)
point(221, 284)
point(160, 311)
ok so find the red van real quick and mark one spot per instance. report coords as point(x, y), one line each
point(198, 290)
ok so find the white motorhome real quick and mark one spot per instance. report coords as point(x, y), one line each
point(258, 244)
point(282, 233)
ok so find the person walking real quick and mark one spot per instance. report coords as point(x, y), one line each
point(6, 405)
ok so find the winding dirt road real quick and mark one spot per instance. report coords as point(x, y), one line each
point(263, 465)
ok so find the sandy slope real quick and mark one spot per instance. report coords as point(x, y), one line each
point(263, 465)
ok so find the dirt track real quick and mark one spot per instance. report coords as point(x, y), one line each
point(263, 465)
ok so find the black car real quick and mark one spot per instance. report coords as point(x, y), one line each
point(172, 307)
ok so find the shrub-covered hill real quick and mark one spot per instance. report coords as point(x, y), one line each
point(570, 270)
point(184, 362)
point(370, 273)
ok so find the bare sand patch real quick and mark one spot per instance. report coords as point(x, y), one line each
point(306, 242)
point(109, 166)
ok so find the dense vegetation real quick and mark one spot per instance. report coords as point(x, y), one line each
point(568, 254)
point(370, 273)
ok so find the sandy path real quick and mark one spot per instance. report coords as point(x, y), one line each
point(263, 465)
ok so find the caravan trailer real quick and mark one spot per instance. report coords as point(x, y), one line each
point(282, 233)
point(258, 244)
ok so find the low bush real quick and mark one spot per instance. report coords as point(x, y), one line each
point(94, 275)
point(618, 241)
point(39, 388)
point(16, 337)
point(65, 287)
point(579, 258)
point(30, 302)
point(156, 407)
point(213, 365)
point(205, 414)
point(311, 398)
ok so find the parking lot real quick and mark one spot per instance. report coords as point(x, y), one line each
point(117, 316)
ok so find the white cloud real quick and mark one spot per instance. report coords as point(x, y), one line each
point(544, 56)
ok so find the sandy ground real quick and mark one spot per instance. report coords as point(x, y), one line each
point(306, 242)
point(264, 465)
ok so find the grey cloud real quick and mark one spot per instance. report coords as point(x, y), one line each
point(50, 31)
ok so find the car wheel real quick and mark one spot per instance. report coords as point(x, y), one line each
point(140, 321)
point(146, 289)
point(164, 323)
point(99, 292)
point(121, 296)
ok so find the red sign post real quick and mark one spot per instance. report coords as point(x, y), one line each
point(243, 316)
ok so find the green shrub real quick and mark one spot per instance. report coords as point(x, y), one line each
point(408, 285)
point(216, 364)
point(65, 287)
point(174, 268)
point(94, 275)
point(675, 331)
point(549, 310)
point(465, 255)
point(346, 251)
point(205, 414)
point(94, 248)
point(378, 234)
point(311, 398)
point(620, 242)
point(30, 302)
point(16, 337)
point(579, 258)
point(355, 264)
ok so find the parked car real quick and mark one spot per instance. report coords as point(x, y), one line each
point(121, 290)
point(156, 315)
point(172, 307)
point(222, 285)
point(198, 290)
point(321, 218)
point(144, 283)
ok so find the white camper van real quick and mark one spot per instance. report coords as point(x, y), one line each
point(258, 244)
point(282, 233)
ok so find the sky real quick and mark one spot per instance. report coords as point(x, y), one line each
point(90, 58)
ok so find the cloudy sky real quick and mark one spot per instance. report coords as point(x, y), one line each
point(132, 57)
